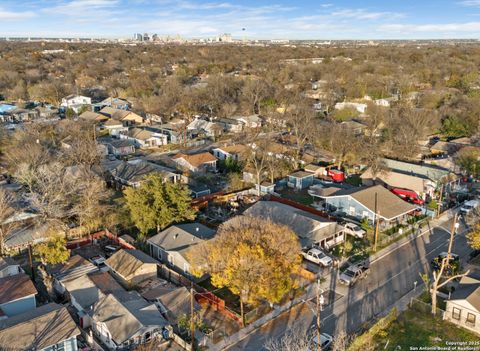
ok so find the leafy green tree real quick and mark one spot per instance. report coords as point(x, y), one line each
point(229, 165)
point(157, 204)
point(468, 159)
point(69, 113)
point(53, 251)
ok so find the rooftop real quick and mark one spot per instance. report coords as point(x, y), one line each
point(180, 237)
point(37, 329)
point(16, 287)
point(196, 160)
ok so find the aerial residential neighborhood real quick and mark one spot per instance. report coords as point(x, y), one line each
point(252, 190)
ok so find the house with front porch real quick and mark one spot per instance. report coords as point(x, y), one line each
point(365, 202)
point(311, 229)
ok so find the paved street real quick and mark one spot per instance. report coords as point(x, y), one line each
point(391, 277)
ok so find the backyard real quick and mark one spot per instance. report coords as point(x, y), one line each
point(300, 196)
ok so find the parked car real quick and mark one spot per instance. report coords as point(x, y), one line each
point(355, 230)
point(317, 256)
point(469, 207)
point(452, 266)
point(354, 273)
point(326, 341)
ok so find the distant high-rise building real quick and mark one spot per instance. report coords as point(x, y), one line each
point(138, 37)
point(155, 37)
point(146, 37)
point(226, 37)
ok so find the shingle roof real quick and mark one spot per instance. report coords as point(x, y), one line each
point(136, 172)
point(121, 143)
point(128, 262)
point(300, 174)
point(37, 329)
point(468, 289)
point(123, 320)
point(308, 227)
point(177, 302)
point(234, 149)
point(93, 116)
point(432, 172)
point(389, 205)
point(6, 262)
point(16, 287)
point(182, 236)
point(196, 160)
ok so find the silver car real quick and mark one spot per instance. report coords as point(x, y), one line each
point(354, 273)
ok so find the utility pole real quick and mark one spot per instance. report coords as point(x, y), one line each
point(377, 220)
point(440, 201)
point(192, 322)
point(320, 301)
point(30, 261)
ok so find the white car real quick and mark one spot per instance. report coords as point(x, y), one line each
point(469, 206)
point(317, 256)
point(326, 342)
point(355, 230)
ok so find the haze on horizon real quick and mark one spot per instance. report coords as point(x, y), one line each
point(260, 19)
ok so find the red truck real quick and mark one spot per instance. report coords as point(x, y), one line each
point(336, 175)
point(408, 195)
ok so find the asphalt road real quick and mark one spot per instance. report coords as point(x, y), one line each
point(391, 277)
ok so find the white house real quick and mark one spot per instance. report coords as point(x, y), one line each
point(9, 267)
point(252, 121)
point(360, 107)
point(234, 152)
point(115, 128)
point(144, 138)
point(201, 162)
point(75, 102)
point(463, 308)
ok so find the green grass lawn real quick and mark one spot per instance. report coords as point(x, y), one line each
point(414, 328)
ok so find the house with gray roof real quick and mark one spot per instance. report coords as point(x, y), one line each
point(463, 307)
point(172, 245)
point(125, 324)
point(311, 229)
point(132, 173)
point(431, 172)
point(49, 327)
point(365, 202)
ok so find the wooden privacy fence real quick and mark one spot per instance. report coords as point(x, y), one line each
point(90, 239)
point(202, 295)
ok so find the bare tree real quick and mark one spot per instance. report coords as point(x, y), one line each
point(293, 340)
point(6, 211)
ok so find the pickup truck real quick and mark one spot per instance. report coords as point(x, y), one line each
point(354, 273)
point(355, 230)
point(317, 256)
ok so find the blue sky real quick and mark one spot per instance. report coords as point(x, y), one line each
point(274, 19)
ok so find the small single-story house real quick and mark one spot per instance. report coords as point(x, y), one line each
point(359, 203)
point(172, 302)
point(300, 180)
point(418, 183)
point(316, 170)
point(252, 121)
point(132, 173)
point(46, 328)
point(463, 307)
point(22, 115)
point(17, 294)
point(211, 129)
point(116, 103)
point(230, 125)
point(47, 111)
point(123, 325)
point(201, 162)
point(115, 128)
point(93, 116)
point(433, 173)
point(145, 138)
point(121, 147)
point(266, 187)
point(234, 152)
point(26, 234)
point(354, 127)
point(311, 229)
point(360, 107)
point(132, 266)
point(125, 116)
point(9, 267)
point(171, 246)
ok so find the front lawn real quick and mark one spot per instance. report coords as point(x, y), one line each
point(415, 328)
